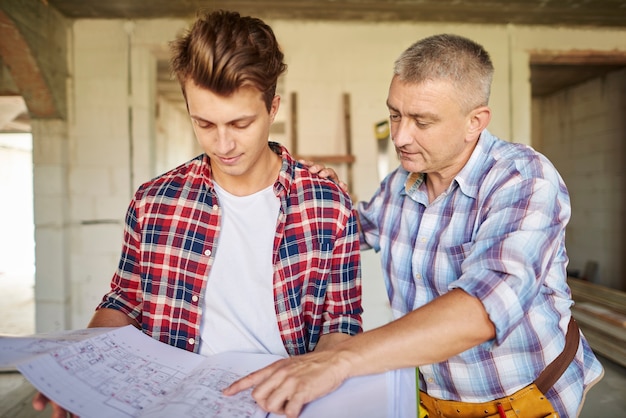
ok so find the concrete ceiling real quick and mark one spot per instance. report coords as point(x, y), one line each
point(523, 12)
point(546, 77)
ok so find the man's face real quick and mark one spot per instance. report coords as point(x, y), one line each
point(233, 131)
point(428, 127)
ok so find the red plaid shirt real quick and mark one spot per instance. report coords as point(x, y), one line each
point(172, 231)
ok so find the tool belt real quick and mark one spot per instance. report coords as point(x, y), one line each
point(528, 402)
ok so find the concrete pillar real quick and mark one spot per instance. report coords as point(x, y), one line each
point(50, 188)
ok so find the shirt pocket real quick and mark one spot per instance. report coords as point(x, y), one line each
point(456, 255)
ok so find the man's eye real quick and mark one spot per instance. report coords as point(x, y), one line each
point(421, 124)
point(242, 125)
point(202, 123)
point(394, 118)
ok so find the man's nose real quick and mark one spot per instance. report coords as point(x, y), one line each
point(224, 141)
point(401, 135)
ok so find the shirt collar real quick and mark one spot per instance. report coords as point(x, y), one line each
point(285, 177)
point(471, 175)
point(412, 183)
point(205, 171)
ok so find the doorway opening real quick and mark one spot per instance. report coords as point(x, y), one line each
point(17, 237)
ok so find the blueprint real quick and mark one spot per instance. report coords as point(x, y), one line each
point(14, 350)
point(121, 372)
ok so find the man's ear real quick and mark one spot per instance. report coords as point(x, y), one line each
point(478, 120)
point(274, 107)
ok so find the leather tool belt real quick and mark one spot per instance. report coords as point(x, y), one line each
point(528, 402)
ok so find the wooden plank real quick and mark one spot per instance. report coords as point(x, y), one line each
point(578, 57)
point(603, 313)
point(611, 349)
point(600, 311)
point(583, 291)
point(590, 321)
point(293, 113)
point(329, 159)
point(347, 121)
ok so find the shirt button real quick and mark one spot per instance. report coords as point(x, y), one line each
point(215, 207)
point(423, 239)
point(418, 276)
point(191, 341)
point(429, 380)
point(194, 298)
point(207, 252)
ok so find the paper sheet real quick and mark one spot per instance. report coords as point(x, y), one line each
point(122, 372)
point(14, 350)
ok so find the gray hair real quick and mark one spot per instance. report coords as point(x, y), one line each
point(452, 58)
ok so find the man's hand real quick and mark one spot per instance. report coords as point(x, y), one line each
point(452, 323)
point(285, 386)
point(39, 404)
point(325, 173)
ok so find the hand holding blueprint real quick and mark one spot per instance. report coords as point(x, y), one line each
point(121, 372)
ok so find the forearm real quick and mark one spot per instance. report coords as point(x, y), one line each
point(328, 341)
point(443, 328)
point(106, 317)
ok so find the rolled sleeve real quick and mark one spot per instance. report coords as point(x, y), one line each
point(505, 268)
point(125, 293)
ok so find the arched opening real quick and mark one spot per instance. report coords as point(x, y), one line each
point(26, 97)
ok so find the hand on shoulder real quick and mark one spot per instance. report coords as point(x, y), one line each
point(324, 172)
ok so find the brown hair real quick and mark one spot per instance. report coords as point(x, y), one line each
point(223, 51)
point(452, 58)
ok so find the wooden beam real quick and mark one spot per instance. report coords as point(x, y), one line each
point(577, 57)
point(347, 121)
point(293, 115)
point(329, 159)
point(601, 313)
point(583, 291)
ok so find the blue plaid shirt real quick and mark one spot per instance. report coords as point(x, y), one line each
point(498, 233)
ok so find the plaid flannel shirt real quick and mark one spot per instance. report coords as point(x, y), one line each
point(171, 235)
point(498, 233)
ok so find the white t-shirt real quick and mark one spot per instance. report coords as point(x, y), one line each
point(239, 312)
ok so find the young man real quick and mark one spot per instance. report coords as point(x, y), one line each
point(241, 248)
point(471, 231)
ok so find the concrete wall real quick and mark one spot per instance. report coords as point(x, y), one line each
point(174, 138)
point(583, 132)
point(113, 141)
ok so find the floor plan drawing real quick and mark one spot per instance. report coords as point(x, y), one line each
point(124, 373)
